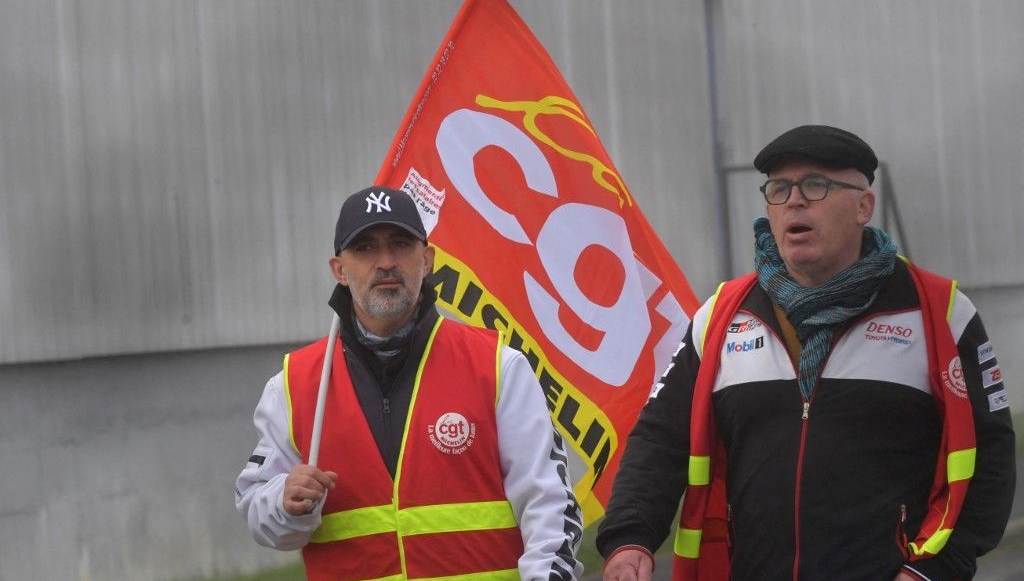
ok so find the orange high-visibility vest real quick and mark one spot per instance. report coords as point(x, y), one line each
point(701, 544)
point(445, 512)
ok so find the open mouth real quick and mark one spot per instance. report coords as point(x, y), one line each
point(798, 229)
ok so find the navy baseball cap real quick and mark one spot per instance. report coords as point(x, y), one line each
point(828, 146)
point(376, 205)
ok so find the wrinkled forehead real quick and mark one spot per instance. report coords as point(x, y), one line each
point(794, 168)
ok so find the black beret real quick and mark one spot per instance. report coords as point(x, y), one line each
point(829, 146)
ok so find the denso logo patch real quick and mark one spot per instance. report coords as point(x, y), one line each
point(452, 433)
point(744, 326)
point(899, 334)
point(744, 346)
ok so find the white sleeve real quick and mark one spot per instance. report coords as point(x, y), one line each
point(259, 489)
point(533, 462)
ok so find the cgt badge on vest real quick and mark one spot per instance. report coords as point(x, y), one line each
point(452, 433)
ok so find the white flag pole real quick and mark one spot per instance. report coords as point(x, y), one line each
point(321, 394)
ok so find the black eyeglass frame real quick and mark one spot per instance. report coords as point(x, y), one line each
point(829, 182)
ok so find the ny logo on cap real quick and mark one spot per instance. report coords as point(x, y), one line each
point(381, 201)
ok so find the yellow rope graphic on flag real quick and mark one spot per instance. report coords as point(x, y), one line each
point(552, 105)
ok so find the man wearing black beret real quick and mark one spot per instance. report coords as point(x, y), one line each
point(839, 413)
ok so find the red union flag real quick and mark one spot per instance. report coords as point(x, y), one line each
point(537, 236)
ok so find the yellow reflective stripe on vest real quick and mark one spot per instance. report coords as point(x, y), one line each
point(960, 465)
point(358, 522)
point(447, 518)
point(412, 403)
point(699, 471)
point(419, 520)
point(687, 543)
point(503, 575)
point(934, 543)
point(497, 368)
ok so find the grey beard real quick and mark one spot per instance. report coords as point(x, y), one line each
point(387, 304)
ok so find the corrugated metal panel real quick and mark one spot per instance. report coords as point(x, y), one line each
point(39, 168)
point(172, 168)
point(933, 86)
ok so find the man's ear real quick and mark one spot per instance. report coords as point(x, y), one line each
point(337, 270)
point(428, 260)
point(865, 207)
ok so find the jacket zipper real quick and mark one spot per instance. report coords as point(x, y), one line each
point(799, 479)
point(386, 408)
point(385, 412)
point(387, 420)
point(804, 416)
point(796, 497)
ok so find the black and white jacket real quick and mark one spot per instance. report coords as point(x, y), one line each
point(832, 489)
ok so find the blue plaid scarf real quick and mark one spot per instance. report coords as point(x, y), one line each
point(815, 312)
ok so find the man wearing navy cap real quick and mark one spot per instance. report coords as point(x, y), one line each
point(839, 413)
point(437, 458)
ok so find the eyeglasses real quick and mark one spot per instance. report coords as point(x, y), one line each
point(813, 188)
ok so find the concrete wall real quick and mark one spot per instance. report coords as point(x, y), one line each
point(122, 468)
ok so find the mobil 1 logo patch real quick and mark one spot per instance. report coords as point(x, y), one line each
point(744, 346)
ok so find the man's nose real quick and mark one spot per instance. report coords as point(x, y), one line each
point(386, 257)
point(796, 198)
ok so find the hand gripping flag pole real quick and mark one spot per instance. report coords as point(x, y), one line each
point(321, 394)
